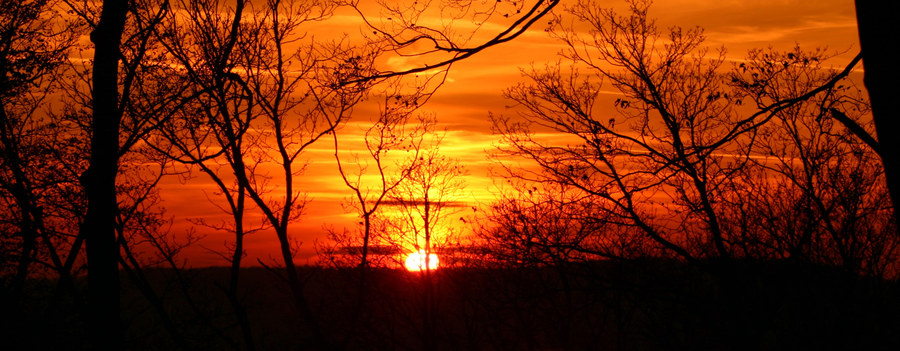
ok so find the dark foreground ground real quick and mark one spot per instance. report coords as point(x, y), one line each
point(637, 305)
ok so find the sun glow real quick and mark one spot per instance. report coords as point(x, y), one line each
point(416, 261)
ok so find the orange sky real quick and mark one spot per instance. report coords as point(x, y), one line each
point(473, 89)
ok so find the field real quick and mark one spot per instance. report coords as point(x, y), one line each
point(631, 305)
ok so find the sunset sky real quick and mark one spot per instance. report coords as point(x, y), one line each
point(473, 89)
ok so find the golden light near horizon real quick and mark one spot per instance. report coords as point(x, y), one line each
point(418, 261)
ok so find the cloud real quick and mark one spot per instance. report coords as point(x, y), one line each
point(420, 202)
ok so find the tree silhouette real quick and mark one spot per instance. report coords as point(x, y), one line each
point(425, 200)
point(552, 224)
point(100, 179)
point(127, 90)
point(394, 131)
point(32, 49)
point(38, 160)
point(815, 190)
point(670, 158)
point(875, 24)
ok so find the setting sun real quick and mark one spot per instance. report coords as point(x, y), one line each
point(416, 261)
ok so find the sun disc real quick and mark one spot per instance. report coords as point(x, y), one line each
point(416, 261)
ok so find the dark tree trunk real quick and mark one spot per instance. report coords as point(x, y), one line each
point(878, 33)
point(100, 181)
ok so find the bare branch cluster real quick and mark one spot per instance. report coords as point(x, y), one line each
point(700, 160)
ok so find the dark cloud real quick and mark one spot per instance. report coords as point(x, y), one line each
point(422, 202)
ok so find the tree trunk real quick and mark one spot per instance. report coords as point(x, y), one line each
point(878, 32)
point(100, 182)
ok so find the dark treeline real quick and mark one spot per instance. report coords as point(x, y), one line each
point(621, 305)
point(709, 205)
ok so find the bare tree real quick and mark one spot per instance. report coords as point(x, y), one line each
point(258, 105)
point(426, 200)
point(124, 89)
point(394, 131)
point(666, 161)
point(40, 157)
point(33, 48)
point(425, 203)
point(208, 133)
point(100, 179)
point(552, 224)
point(815, 190)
